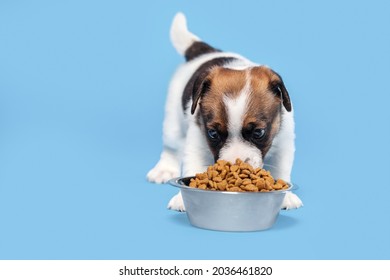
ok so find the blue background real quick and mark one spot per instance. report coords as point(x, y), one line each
point(82, 92)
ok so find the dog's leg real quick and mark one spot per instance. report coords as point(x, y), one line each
point(168, 167)
point(169, 164)
point(280, 169)
point(196, 158)
point(280, 159)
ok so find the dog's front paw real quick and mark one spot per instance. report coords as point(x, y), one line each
point(291, 201)
point(176, 203)
point(162, 173)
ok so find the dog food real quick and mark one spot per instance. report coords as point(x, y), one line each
point(238, 177)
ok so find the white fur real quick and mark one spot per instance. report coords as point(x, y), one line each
point(184, 143)
point(280, 158)
point(235, 146)
point(236, 107)
point(291, 201)
point(180, 36)
point(176, 203)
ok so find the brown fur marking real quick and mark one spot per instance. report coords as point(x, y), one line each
point(223, 82)
point(263, 109)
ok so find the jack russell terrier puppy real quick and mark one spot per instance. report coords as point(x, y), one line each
point(220, 105)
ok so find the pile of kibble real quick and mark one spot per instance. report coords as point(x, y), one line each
point(238, 177)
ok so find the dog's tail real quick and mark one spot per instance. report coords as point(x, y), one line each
point(185, 42)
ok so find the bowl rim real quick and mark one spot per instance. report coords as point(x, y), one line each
point(175, 182)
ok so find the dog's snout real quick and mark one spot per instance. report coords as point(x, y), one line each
point(238, 149)
point(255, 162)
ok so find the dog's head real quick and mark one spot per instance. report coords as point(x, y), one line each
point(240, 111)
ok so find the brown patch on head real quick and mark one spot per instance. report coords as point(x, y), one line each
point(264, 108)
point(222, 82)
point(227, 81)
point(264, 102)
point(263, 78)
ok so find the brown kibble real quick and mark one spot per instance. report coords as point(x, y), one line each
point(244, 166)
point(234, 168)
point(222, 185)
point(246, 182)
point(281, 182)
point(210, 172)
point(232, 181)
point(260, 184)
point(217, 179)
point(238, 182)
point(235, 189)
point(270, 180)
point(193, 183)
point(222, 162)
point(278, 186)
point(246, 171)
point(268, 185)
point(201, 176)
point(204, 181)
point(238, 177)
point(250, 188)
point(263, 172)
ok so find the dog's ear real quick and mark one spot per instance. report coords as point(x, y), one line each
point(279, 89)
point(201, 86)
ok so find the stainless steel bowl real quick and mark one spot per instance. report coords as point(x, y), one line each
point(230, 211)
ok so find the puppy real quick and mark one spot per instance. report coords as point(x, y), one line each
point(220, 105)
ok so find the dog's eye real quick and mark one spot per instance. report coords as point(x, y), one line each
point(213, 134)
point(258, 133)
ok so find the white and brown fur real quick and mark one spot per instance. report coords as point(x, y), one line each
point(222, 106)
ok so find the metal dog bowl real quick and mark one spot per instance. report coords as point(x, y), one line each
point(230, 211)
